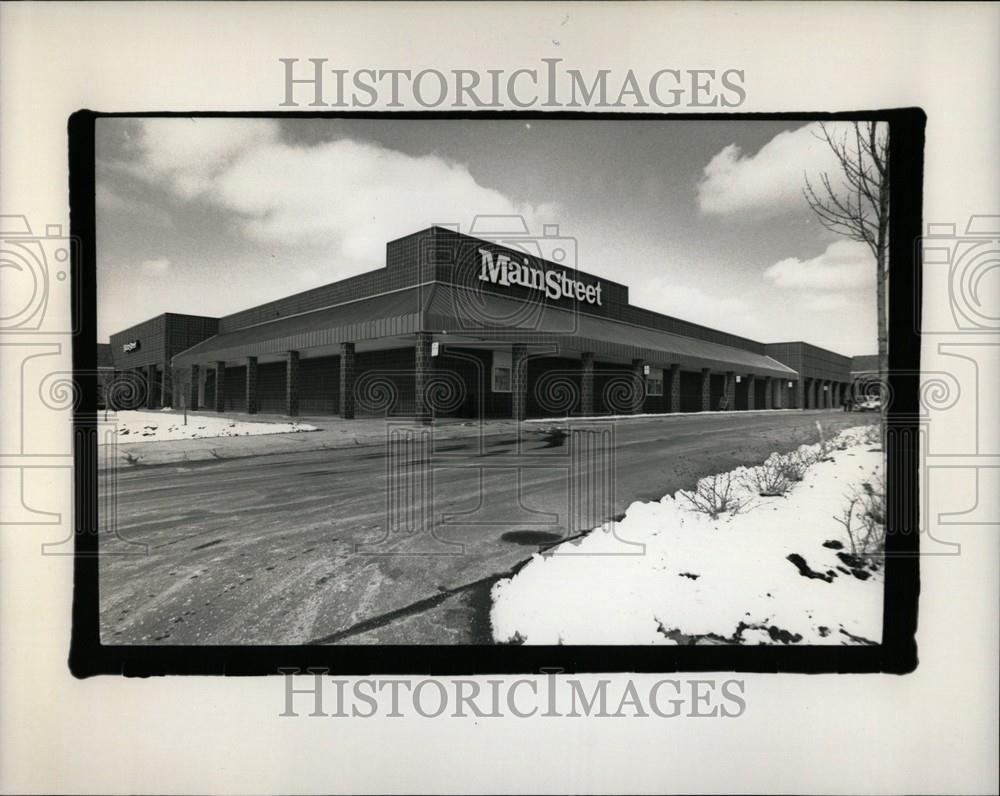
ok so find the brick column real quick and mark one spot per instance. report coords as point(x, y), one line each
point(167, 386)
point(518, 381)
point(778, 389)
point(251, 385)
point(729, 392)
point(220, 386)
point(751, 383)
point(347, 381)
point(768, 392)
point(423, 369)
point(827, 388)
point(810, 394)
point(639, 386)
point(292, 384)
point(675, 389)
point(150, 386)
point(800, 393)
point(587, 383)
point(193, 387)
point(706, 389)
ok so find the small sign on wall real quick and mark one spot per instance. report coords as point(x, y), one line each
point(129, 347)
point(502, 363)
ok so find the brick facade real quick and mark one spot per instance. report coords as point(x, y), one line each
point(423, 371)
point(674, 374)
point(638, 386)
point(193, 388)
point(347, 376)
point(292, 384)
point(251, 386)
point(587, 384)
point(519, 381)
point(220, 386)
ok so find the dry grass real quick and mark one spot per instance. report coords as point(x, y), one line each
point(864, 519)
point(770, 479)
point(717, 494)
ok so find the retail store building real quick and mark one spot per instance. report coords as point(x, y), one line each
point(457, 326)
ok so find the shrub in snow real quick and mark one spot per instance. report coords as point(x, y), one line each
point(796, 463)
point(717, 494)
point(872, 435)
point(825, 445)
point(864, 519)
point(770, 479)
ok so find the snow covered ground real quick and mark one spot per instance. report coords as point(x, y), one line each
point(134, 426)
point(777, 571)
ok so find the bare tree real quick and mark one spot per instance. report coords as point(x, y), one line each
point(857, 205)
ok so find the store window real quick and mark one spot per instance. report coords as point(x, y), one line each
point(654, 382)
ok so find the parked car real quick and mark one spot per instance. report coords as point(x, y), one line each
point(870, 404)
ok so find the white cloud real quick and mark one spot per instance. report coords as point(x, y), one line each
point(155, 267)
point(844, 265)
point(830, 302)
point(191, 153)
point(346, 197)
point(107, 200)
point(694, 304)
point(771, 180)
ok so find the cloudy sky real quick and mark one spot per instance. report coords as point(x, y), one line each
point(704, 220)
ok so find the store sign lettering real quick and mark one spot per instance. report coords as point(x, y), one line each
point(128, 348)
point(502, 270)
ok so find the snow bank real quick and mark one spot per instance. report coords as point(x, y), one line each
point(159, 426)
point(704, 580)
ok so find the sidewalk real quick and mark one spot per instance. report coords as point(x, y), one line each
point(331, 433)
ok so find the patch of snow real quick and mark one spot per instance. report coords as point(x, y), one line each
point(761, 576)
point(138, 426)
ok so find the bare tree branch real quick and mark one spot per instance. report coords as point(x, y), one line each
point(858, 208)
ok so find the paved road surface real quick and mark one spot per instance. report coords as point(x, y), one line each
point(294, 548)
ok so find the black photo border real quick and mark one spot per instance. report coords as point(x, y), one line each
point(896, 654)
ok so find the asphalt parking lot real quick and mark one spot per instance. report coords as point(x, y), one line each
point(338, 546)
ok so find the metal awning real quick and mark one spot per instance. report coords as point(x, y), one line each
point(381, 316)
point(472, 312)
point(443, 308)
